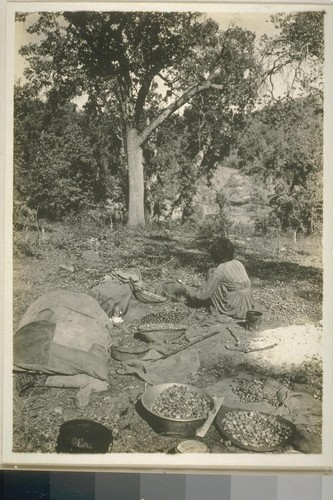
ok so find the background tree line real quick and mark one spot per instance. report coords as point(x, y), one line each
point(130, 144)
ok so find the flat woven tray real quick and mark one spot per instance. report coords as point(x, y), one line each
point(219, 424)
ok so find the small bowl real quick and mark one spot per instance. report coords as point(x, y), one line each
point(191, 446)
point(126, 353)
point(117, 320)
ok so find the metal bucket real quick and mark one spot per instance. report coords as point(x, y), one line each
point(171, 426)
point(253, 320)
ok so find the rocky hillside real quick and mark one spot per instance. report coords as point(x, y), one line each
point(236, 189)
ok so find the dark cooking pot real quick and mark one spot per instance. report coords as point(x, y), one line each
point(83, 436)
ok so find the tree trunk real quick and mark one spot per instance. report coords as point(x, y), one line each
point(136, 215)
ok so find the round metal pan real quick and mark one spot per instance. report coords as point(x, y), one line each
point(169, 426)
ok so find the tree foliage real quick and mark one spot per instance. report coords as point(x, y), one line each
point(63, 160)
point(120, 59)
point(283, 143)
point(166, 97)
point(283, 146)
point(295, 53)
point(301, 33)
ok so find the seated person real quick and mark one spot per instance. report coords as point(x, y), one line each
point(227, 289)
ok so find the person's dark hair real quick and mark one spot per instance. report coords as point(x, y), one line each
point(222, 250)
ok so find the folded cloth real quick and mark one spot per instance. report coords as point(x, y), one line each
point(300, 407)
point(114, 289)
point(307, 442)
point(85, 383)
point(126, 275)
point(69, 381)
point(176, 368)
point(82, 398)
point(63, 348)
point(110, 293)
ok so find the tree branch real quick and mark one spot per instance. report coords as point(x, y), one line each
point(142, 94)
point(179, 102)
point(174, 106)
point(166, 80)
point(217, 86)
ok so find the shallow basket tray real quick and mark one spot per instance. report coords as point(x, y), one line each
point(219, 424)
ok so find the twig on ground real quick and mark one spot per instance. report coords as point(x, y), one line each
point(246, 350)
point(168, 261)
point(234, 335)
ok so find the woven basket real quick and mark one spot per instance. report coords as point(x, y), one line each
point(145, 296)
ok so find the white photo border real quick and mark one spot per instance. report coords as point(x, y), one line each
point(156, 462)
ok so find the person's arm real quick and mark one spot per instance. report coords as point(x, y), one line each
point(205, 291)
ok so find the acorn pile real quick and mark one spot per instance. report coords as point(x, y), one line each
point(170, 316)
point(181, 402)
point(253, 391)
point(255, 429)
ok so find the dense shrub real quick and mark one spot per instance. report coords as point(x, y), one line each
point(282, 146)
point(267, 223)
point(62, 157)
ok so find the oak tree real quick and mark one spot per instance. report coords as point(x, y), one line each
point(124, 59)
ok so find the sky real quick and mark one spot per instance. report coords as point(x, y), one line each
point(254, 21)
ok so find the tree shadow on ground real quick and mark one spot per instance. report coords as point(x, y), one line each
point(198, 263)
point(181, 258)
point(191, 254)
point(163, 248)
point(284, 271)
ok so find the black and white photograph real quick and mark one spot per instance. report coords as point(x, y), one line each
point(166, 236)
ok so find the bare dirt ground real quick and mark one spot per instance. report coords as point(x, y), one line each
point(287, 285)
